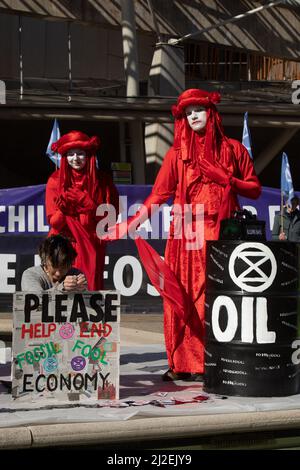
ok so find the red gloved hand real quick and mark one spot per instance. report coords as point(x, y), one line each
point(214, 173)
point(65, 205)
point(61, 203)
point(81, 200)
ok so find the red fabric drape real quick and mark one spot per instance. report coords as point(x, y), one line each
point(163, 278)
point(86, 251)
point(181, 305)
point(80, 227)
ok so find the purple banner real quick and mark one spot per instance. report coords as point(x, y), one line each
point(23, 225)
point(22, 209)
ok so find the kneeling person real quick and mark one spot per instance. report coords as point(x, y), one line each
point(55, 272)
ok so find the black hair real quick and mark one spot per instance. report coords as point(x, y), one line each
point(58, 250)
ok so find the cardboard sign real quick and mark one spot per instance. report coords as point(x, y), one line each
point(66, 346)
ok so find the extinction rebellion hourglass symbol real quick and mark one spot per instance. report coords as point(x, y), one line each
point(252, 267)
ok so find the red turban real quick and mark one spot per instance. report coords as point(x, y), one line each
point(196, 97)
point(76, 140)
point(184, 136)
point(88, 176)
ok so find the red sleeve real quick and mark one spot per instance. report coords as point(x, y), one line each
point(166, 181)
point(51, 195)
point(245, 182)
point(163, 189)
point(55, 217)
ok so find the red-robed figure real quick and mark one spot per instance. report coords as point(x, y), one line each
point(202, 167)
point(73, 193)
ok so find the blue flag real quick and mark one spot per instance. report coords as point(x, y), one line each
point(55, 135)
point(247, 136)
point(287, 189)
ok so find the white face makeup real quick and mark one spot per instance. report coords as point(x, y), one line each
point(76, 158)
point(196, 116)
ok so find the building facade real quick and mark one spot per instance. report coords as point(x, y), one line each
point(75, 60)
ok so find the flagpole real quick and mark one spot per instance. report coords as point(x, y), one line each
point(281, 214)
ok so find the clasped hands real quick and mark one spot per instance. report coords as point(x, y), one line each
point(75, 283)
point(74, 200)
point(214, 173)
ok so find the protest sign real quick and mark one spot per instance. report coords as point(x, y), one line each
point(66, 346)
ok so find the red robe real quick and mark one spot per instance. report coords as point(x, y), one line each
point(81, 227)
point(181, 179)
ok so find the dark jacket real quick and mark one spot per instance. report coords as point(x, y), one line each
point(291, 225)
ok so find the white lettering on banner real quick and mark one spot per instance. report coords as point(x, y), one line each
point(137, 275)
point(22, 218)
point(6, 273)
point(35, 217)
point(272, 210)
point(152, 291)
point(41, 227)
point(18, 218)
point(251, 209)
point(30, 218)
point(296, 354)
point(2, 228)
point(263, 336)
point(117, 274)
point(232, 319)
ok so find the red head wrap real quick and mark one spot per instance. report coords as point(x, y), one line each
point(184, 136)
point(196, 97)
point(87, 176)
point(76, 140)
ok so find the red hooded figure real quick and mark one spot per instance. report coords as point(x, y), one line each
point(203, 167)
point(73, 194)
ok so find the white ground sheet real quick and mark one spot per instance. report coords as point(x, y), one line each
point(140, 384)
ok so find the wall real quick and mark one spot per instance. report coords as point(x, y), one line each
point(96, 52)
point(274, 31)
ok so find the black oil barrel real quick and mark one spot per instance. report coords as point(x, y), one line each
point(252, 343)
